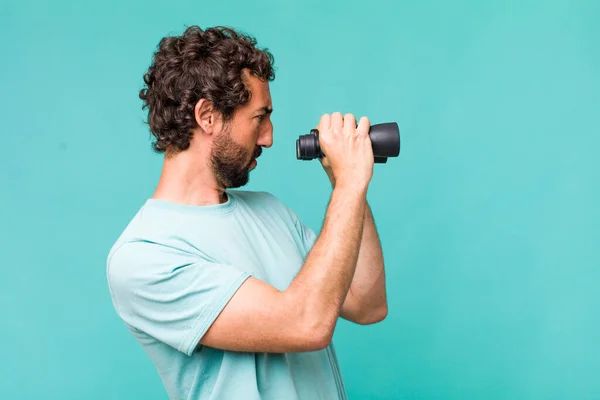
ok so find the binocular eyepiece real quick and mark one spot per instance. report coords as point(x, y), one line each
point(385, 139)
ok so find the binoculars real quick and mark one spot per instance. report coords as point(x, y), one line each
point(385, 139)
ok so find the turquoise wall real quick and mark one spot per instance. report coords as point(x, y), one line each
point(489, 219)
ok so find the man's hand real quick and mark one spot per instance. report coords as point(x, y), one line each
point(325, 163)
point(327, 168)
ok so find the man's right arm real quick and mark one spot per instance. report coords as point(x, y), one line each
point(260, 318)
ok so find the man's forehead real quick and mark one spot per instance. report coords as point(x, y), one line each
point(262, 102)
point(260, 93)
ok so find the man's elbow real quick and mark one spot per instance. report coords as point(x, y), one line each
point(320, 342)
point(372, 316)
point(317, 336)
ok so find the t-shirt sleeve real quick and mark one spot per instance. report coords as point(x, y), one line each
point(170, 295)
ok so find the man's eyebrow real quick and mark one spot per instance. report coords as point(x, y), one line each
point(265, 110)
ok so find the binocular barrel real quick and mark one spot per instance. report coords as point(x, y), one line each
point(385, 139)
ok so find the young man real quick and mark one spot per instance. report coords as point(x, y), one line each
point(228, 292)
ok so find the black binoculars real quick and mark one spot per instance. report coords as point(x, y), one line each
point(385, 139)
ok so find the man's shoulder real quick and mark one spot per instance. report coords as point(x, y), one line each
point(143, 247)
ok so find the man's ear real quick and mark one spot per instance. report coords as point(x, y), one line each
point(205, 116)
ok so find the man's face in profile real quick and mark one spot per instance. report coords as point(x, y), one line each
point(240, 141)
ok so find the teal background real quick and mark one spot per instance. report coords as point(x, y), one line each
point(489, 219)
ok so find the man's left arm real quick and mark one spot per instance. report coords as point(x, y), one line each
point(366, 302)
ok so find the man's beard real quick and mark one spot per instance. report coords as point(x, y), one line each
point(228, 161)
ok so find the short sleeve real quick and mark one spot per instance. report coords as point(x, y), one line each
point(170, 295)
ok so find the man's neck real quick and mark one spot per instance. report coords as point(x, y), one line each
point(187, 179)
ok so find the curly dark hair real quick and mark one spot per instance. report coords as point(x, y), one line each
point(199, 64)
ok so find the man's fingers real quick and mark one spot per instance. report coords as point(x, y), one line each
point(324, 122)
point(337, 121)
point(364, 126)
point(349, 122)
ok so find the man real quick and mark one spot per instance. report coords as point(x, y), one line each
point(228, 292)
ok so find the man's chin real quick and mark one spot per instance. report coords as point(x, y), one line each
point(237, 183)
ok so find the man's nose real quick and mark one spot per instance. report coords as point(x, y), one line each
point(266, 137)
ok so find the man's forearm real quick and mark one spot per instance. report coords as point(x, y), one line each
point(319, 289)
point(368, 286)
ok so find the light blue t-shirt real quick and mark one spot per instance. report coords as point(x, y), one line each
point(173, 270)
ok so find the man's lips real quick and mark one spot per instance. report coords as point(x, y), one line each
point(257, 154)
